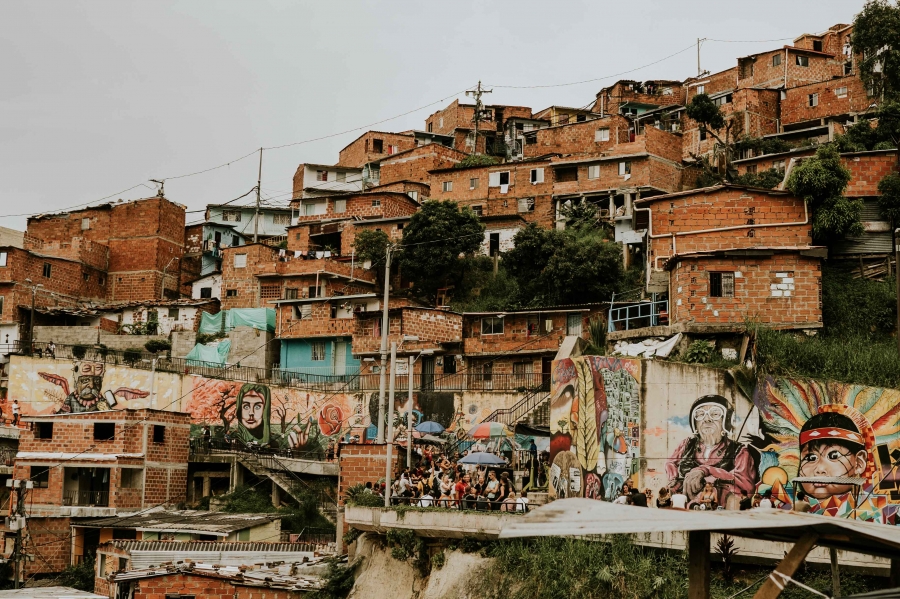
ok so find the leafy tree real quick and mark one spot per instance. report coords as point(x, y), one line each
point(154, 346)
point(586, 268)
point(433, 241)
point(476, 160)
point(876, 39)
point(762, 145)
point(889, 200)
point(767, 179)
point(534, 246)
point(821, 182)
point(703, 110)
point(372, 246)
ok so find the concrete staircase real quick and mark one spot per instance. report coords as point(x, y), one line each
point(268, 467)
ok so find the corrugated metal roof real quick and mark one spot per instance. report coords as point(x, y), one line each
point(202, 522)
point(579, 517)
point(243, 546)
point(49, 593)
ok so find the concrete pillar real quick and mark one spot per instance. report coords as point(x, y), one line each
point(207, 487)
point(276, 494)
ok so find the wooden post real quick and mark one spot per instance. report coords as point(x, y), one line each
point(773, 585)
point(835, 573)
point(698, 564)
point(895, 563)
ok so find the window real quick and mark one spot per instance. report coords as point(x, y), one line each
point(235, 241)
point(104, 431)
point(291, 293)
point(414, 195)
point(376, 203)
point(131, 477)
point(231, 293)
point(751, 168)
point(537, 176)
point(447, 186)
point(817, 45)
point(269, 292)
point(473, 183)
point(778, 165)
point(86, 276)
point(722, 100)
point(701, 89)
point(491, 325)
point(776, 60)
point(601, 134)
point(231, 216)
point(240, 260)
point(317, 350)
point(625, 168)
point(281, 219)
point(205, 292)
point(47, 270)
point(802, 61)
point(393, 149)
point(441, 122)
point(449, 365)
point(85, 224)
point(43, 430)
point(526, 204)
point(702, 134)
point(594, 171)
point(41, 476)
point(341, 176)
point(497, 179)
point(721, 284)
point(478, 210)
point(102, 279)
point(378, 146)
point(312, 291)
point(430, 127)
point(3, 256)
point(159, 433)
point(813, 100)
point(841, 92)
point(304, 312)
point(487, 372)
point(340, 206)
point(568, 174)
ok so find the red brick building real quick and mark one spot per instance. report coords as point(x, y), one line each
point(96, 464)
point(191, 580)
point(734, 253)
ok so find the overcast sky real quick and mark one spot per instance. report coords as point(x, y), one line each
point(97, 97)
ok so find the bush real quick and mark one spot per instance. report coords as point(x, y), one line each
point(132, 355)
point(359, 495)
point(698, 352)
point(338, 581)
point(247, 500)
point(154, 346)
point(79, 577)
point(767, 179)
point(79, 351)
point(476, 160)
point(857, 307)
point(204, 338)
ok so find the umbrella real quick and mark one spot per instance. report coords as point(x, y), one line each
point(429, 426)
point(483, 459)
point(430, 439)
point(489, 430)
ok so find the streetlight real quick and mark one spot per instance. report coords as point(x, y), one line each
point(34, 289)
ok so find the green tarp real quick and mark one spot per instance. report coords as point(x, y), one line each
point(213, 353)
point(257, 318)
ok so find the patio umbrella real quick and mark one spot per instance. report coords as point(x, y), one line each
point(430, 439)
point(482, 459)
point(489, 430)
point(430, 426)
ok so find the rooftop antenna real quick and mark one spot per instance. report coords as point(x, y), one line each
point(161, 192)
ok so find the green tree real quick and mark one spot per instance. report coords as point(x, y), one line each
point(876, 41)
point(585, 268)
point(433, 242)
point(372, 246)
point(767, 179)
point(889, 200)
point(821, 182)
point(525, 262)
point(711, 120)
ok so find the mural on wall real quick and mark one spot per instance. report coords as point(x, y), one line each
point(711, 455)
point(818, 429)
point(595, 421)
point(88, 394)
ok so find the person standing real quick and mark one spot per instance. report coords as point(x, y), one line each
point(801, 504)
point(679, 500)
point(766, 501)
point(15, 412)
point(638, 498)
point(664, 501)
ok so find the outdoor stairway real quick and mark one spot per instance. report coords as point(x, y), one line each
point(289, 482)
point(534, 408)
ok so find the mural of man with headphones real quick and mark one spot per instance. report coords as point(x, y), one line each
point(710, 455)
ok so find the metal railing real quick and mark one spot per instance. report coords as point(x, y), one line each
point(510, 416)
point(466, 504)
point(635, 315)
point(311, 535)
point(200, 447)
point(86, 498)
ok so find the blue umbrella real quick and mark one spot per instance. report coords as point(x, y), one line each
point(429, 427)
point(482, 458)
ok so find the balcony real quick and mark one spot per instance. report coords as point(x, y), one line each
point(638, 315)
point(86, 498)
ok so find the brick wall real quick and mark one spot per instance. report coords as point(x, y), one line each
point(415, 164)
point(725, 207)
point(208, 587)
point(578, 138)
point(795, 108)
point(520, 331)
point(243, 281)
point(609, 99)
point(51, 545)
point(798, 302)
point(431, 326)
point(712, 84)
point(867, 169)
point(362, 150)
point(359, 464)
point(404, 187)
point(373, 204)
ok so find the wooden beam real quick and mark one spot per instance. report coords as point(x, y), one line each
point(698, 564)
point(773, 585)
point(895, 562)
point(835, 573)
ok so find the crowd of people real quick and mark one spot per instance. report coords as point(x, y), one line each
point(705, 500)
point(441, 481)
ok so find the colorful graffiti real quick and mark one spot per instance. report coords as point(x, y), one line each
point(87, 394)
point(595, 421)
point(831, 430)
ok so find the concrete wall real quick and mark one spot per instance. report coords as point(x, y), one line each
point(253, 348)
point(88, 336)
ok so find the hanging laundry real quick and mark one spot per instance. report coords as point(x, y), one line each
point(327, 254)
point(319, 255)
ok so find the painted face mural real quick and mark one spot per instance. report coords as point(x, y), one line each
point(253, 410)
point(846, 433)
point(88, 394)
point(594, 426)
point(710, 455)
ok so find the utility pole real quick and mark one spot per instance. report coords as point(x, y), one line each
point(384, 345)
point(409, 417)
point(258, 185)
point(699, 70)
point(897, 276)
point(390, 430)
point(479, 108)
point(17, 522)
point(30, 347)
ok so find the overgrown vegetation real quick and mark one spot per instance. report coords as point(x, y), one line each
point(761, 145)
point(132, 355)
point(154, 346)
point(204, 338)
point(876, 38)
point(338, 581)
point(80, 576)
point(359, 495)
point(406, 545)
point(767, 179)
point(476, 160)
point(294, 518)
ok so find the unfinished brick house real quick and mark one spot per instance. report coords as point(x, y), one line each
point(415, 164)
point(458, 120)
point(636, 97)
point(94, 465)
point(317, 180)
point(723, 255)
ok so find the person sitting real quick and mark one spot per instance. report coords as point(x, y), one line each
point(637, 498)
point(766, 502)
point(679, 500)
point(746, 503)
point(664, 501)
point(469, 499)
point(801, 504)
point(510, 503)
point(426, 500)
point(482, 504)
point(706, 500)
point(522, 502)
